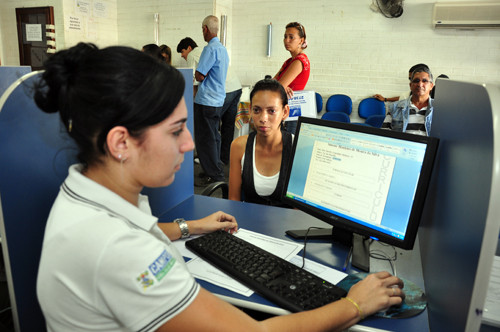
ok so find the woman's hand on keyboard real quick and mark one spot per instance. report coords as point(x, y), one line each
point(214, 222)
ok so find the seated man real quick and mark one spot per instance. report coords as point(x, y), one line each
point(405, 94)
point(414, 114)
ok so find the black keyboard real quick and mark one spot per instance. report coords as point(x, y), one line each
point(276, 279)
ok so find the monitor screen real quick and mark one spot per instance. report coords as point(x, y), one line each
point(365, 180)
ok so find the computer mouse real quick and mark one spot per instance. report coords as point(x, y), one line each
point(414, 302)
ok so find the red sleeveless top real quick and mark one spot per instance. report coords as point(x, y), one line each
point(299, 83)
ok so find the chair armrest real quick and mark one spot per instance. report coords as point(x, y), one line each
point(211, 188)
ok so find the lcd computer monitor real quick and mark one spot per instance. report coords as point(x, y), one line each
point(361, 180)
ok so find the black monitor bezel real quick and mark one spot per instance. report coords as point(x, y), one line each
point(348, 225)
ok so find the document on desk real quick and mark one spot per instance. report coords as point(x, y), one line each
point(326, 273)
point(491, 313)
point(204, 271)
point(282, 248)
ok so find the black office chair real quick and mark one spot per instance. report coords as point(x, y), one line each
point(213, 187)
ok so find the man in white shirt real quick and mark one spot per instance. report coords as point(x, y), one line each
point(190, 51)
point(229, 110)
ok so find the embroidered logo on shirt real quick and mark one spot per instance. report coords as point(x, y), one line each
point(145, 280)
point(162, 265)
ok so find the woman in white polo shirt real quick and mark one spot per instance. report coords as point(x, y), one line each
point(106, 264)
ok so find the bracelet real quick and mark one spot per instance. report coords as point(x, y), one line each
point(357, 307)
point(183, 227)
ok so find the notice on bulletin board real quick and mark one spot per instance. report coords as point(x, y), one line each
point(34, 32)
point(100, 9)
point(82, 7)
point(74, 23)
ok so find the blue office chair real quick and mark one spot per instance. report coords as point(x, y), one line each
point(339, 103)
point(373, 111)
point(10, 74)
point(319, 102)
point(336, 116)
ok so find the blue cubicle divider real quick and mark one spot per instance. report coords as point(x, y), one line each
point(461, 220)
point(35, 153)
point(10, 74)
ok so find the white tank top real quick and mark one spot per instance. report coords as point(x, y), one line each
point(264, 185)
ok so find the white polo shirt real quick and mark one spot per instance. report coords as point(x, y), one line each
point(193, 58)
point(106, 265)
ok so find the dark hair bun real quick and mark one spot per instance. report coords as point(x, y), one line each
point(95, 90)
point(61, 70)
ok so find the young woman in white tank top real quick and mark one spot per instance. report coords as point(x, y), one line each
point(268, 111)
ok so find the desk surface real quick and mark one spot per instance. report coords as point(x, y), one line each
point(275, 221)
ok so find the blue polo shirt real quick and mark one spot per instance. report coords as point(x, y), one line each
point(213, 64)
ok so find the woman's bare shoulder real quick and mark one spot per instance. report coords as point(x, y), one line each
point(239, 144)
point(240, 141)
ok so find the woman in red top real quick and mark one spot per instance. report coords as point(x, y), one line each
point(294, 73)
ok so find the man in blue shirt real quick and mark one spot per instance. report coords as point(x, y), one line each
point(211, 72)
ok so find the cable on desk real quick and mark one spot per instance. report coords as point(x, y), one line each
point(379, 254)
point(305, 243)
point(347, 259)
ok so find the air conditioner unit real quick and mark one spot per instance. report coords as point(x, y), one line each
point(466, 15)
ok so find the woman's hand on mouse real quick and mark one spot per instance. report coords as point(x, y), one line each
point(376, 292)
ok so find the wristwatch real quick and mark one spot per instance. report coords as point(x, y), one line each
point(183, 226)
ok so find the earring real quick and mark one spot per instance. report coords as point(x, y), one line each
point(120, 156)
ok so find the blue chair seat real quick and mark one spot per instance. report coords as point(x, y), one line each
point(336, 116)
point(373, 111)
point(339, 103)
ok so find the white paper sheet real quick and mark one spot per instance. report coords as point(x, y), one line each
point(327, 273)
point(491, 314)
point(281, 248)
point(204, 271)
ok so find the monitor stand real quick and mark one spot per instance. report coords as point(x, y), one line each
point(360, 244)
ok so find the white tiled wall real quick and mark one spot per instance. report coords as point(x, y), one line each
point(178, 19)
point(97, 25)
point(352, 49)
point(358, 52)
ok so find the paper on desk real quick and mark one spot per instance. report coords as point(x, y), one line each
point(491, 313)
point(324, 272)
point(180, 245)
point(204, 271)
point(281, 248)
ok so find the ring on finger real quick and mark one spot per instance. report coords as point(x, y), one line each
point(393, 291)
